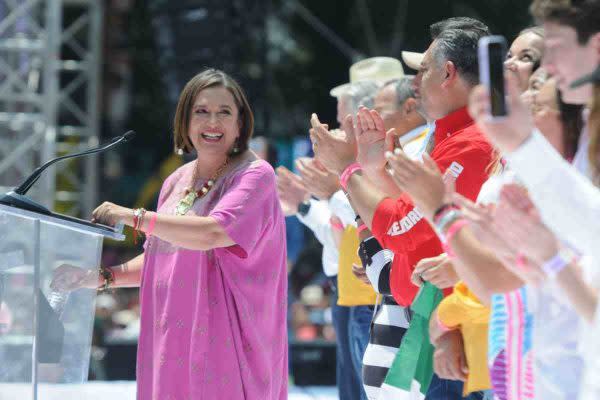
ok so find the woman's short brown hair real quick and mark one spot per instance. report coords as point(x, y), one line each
point(206, 79)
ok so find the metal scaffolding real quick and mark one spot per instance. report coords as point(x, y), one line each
point(50, 59)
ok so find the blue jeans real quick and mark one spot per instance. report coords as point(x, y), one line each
point(360, 327)
point(444, 389)
point(348, 382)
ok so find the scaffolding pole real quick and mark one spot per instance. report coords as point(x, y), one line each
point(50, 59)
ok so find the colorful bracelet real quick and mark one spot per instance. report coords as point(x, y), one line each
point(443, 210)
point(454, 228)
point(446, 220)
point(361, 228)
point(347, 173)
point(138, 220)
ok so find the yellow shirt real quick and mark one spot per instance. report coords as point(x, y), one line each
point(463, 309)
point(351, 291)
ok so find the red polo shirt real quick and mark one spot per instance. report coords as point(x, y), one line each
point(460, 147)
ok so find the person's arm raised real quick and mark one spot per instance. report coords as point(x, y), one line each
point(336, 153)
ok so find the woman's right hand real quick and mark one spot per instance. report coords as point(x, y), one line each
point(69, 277)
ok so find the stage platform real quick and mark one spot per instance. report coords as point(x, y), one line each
point(119, 390)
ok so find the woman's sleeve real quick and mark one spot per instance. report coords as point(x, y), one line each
point(377, 263)
point(247, 208)
point(461, 306)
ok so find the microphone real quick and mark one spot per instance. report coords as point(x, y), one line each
point(17, 198)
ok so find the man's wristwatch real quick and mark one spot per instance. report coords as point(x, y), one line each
point(304, 208)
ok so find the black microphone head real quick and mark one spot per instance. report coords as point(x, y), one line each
point(129, 135)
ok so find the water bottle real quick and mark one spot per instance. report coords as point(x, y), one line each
point(57, 300)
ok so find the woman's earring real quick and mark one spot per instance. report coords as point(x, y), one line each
point(179, 152)
point(236, 147)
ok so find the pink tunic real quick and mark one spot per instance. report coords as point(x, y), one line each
point(213, 323)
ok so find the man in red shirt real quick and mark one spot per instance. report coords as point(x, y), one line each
point(448, 72)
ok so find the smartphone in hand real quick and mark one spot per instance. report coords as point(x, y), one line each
point(492, 53)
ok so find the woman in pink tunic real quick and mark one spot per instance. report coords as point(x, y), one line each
point(213, 274)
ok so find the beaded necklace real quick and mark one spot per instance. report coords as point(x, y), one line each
point(191, 195)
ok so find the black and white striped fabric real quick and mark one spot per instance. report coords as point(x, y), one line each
point(390, 322)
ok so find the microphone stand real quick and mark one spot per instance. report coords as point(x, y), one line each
point(17, 197)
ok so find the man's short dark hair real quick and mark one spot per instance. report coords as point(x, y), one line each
point(460, 47)
point(581, 15)
point(459, 23)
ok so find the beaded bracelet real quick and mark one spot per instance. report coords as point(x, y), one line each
point(138, 222)
point(109, 277)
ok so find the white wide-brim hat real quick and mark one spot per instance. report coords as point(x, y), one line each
point(377, 69)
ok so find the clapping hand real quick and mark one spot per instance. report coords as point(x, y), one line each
point(335, 152)
point(317, 179)
point(509, 132)
point(372, 140)
point(291, 191)
point(481, 222)
point(422, 181)
point(523, 228)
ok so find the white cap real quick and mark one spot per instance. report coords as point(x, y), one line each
point(412, 59)
point(377, 69)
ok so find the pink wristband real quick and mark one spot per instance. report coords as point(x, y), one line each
point(521, 261)
point(151, 224)
point(336, 225)
point(454, 229)
point(348, 171)
point(361, 228)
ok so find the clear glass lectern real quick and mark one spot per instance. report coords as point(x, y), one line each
point(45, 336)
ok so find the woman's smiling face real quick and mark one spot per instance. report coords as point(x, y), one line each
point(214, 121)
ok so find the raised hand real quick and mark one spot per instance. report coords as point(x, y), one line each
point(335, 152)
point(422, 181)
point(481, 222)
point(522, 225)
point(372, 140)
point(291, 191)
point(509, 132)
point(317, 179)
